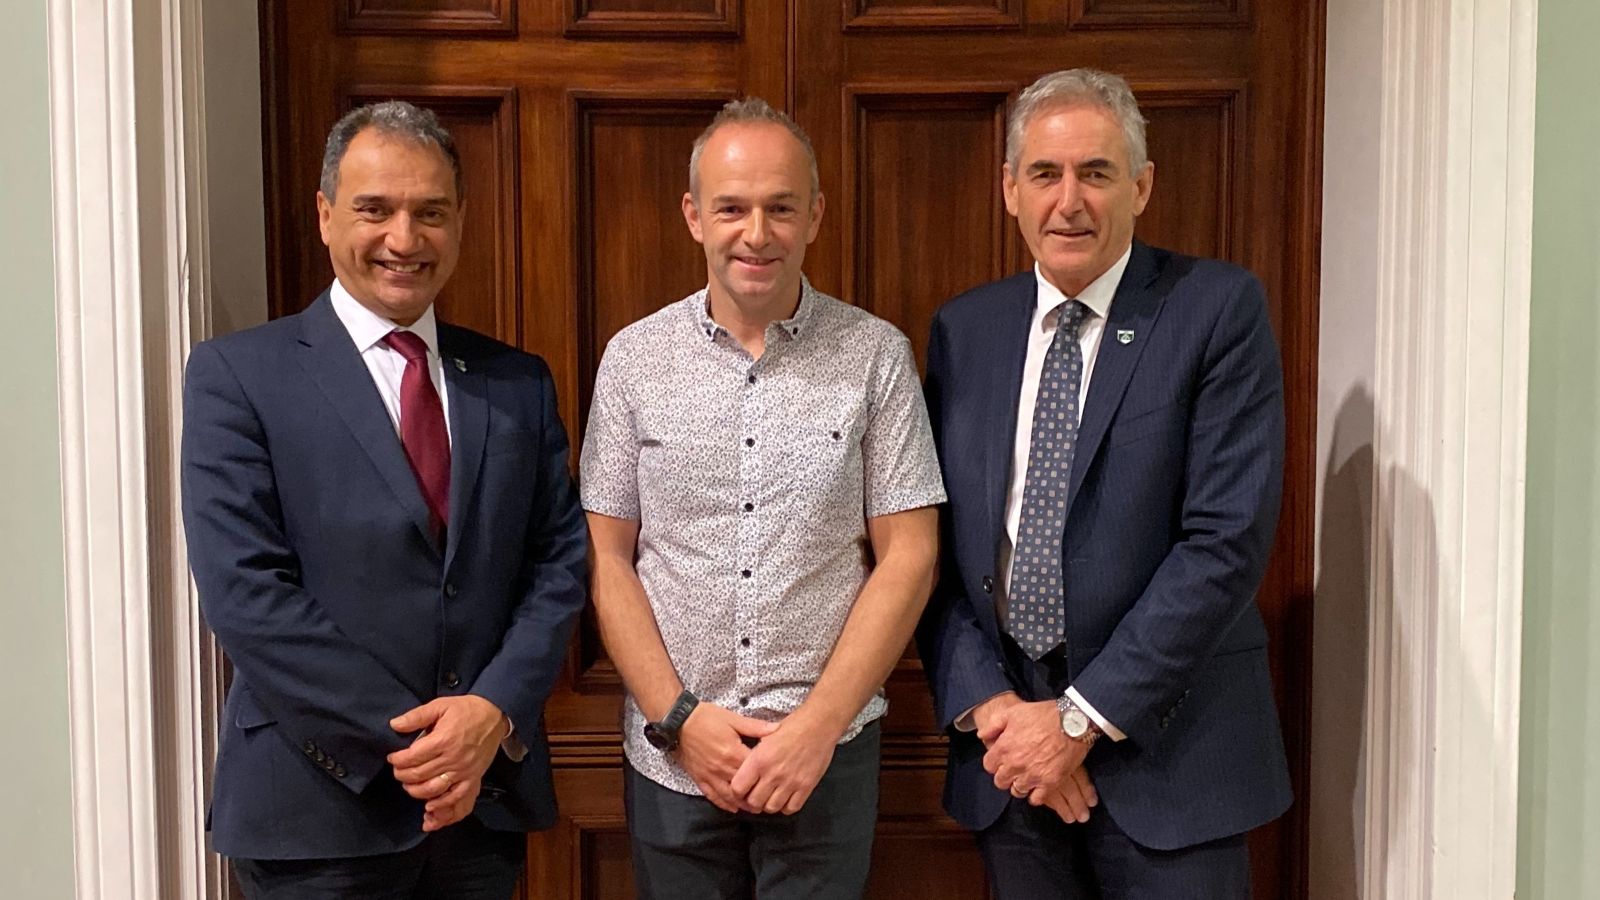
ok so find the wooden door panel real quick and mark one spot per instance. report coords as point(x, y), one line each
point(575, 119)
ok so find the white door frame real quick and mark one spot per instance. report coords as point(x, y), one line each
point(1453, 244)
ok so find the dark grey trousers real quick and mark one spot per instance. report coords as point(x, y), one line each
point(684, 847)
point(463, 862)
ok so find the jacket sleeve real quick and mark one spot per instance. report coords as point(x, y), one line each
point(962, 662)
point(327, 693)
point(1227, 518)
point(520, 676)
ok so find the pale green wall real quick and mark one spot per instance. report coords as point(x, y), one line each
point(35, 789)
point(1559, 821)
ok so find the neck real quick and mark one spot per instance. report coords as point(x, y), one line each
point(747, 318)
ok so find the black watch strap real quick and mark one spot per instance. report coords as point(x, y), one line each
point(663, 735)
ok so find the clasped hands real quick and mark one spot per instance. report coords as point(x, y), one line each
point(444, 766)
point(776, 775)
point(1030, 756)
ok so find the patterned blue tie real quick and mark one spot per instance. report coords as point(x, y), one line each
point(1035, 614)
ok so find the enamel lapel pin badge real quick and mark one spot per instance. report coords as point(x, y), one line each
point(1124, 335)
point(461, 364)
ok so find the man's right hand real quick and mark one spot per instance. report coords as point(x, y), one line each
point(1071, 799)
point(711, 749)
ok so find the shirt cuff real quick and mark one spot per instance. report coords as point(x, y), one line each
point(964, 722)
point(1110, 730)
point(511, 745)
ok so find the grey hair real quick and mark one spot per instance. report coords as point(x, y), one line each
point(391, 118)
point(748, 111)
point(1072, 87)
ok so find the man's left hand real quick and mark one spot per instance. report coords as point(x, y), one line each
point(781, 772)
point(445, 765)
point(1028, 749)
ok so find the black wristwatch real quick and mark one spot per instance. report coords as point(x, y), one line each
point(663, 735)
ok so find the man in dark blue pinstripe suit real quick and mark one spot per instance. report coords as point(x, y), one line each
point(1110, 427)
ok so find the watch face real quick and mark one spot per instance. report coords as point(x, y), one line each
point(656, 738)
point(1075, 722)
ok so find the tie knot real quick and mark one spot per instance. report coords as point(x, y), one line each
point(1071, 316)
point(408, 344)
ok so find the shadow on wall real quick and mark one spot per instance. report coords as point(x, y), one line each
point(1368, 623)
point(1339, 653)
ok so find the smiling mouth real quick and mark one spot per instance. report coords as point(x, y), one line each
point(397, 267)
point(755, 263)
point(1072, 234)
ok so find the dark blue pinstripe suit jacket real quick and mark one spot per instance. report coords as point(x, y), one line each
point(1173, 504)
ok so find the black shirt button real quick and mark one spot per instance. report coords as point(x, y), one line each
point(744, 642)
point(749, 442)
point(749, 507)
point(451, 680)
point(836, 435)
point(744, 701)
point(988, 585)
point(751, 379)
point(745, 573)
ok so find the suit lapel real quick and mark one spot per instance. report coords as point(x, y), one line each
point(469, 425)
point(330, 358)
point(1133, 311)
point(1013, 315)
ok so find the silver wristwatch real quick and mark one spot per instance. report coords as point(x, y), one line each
point(1075, 722)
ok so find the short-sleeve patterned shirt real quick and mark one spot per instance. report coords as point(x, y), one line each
point(752, 481)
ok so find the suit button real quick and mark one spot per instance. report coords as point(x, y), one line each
point(339, 772)
point(328, 764)
point(451, 680)
point(450, 590)
point(988, 585)
point(309, 747)
point(318, 755)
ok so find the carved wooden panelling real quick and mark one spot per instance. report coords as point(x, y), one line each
point(653, 18)
point(1146, 14)
point(635, 255)
point(922, 193)
point(931, 15)
point(1192, 138)
point(445, 17)
point(605, 859)
point(925, 857)
point(484, 293)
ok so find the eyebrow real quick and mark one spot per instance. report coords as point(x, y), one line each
point(729, 198)
point(1098, 163)
point(362, 199)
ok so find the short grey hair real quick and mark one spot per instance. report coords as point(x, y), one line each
point(391, 118)
point(1075, 87)
point(750, 110)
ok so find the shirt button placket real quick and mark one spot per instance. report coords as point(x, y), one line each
point(749, 541)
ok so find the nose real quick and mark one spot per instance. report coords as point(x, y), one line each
point(403, 237)
point(757, 230)
point(1069, 202)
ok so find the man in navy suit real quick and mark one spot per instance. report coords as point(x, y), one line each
point(1110, 427)
point(388, 546)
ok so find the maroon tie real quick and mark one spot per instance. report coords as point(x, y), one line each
point(422, 428)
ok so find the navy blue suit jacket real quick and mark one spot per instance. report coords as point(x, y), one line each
point(317, 571)
point(1173, 501)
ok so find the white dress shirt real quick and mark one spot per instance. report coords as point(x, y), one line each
point(386, 364)
point(1041, 332)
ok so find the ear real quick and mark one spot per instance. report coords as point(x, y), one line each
point(691, 217)
point(1008, 187)
point(817, 205)
point(1142, 186)
point(324, 217)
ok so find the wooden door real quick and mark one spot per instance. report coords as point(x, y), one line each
point(575, 118)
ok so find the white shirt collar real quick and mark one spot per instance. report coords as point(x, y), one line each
point(368, 328)
point(1097, 296)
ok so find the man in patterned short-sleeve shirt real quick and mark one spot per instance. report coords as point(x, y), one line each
point(760, 482)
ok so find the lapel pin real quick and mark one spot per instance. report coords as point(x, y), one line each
point(461, 364)
point(1124, 335)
